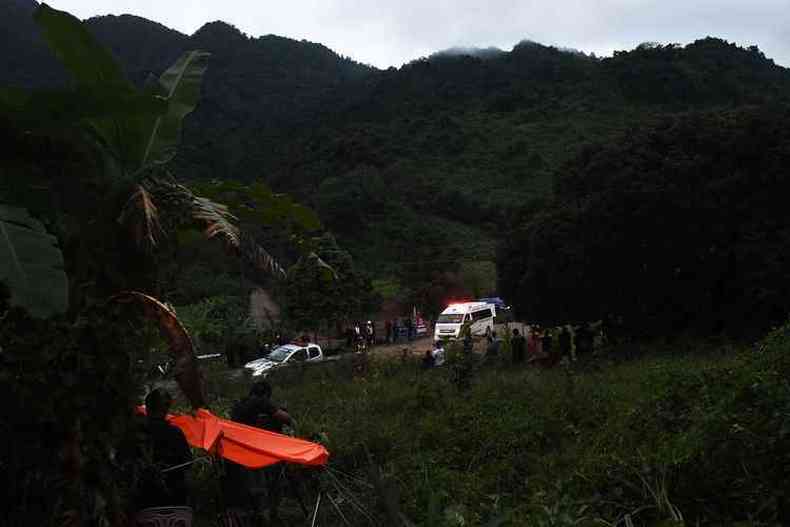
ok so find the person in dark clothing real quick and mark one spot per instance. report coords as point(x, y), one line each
point(370, 333)
point(257, 409)
point(584, 340)
point(518, 344)
point(388, 331)
point(468, 343)
point(548, 342)
point(428, 361)
point(564, 341)
point(395, 330)
point(163, 483)
point(492, 350)
point(410, 329)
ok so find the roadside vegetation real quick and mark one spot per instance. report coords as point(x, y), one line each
point(685, 433)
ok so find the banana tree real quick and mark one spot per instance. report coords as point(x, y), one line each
point(136, 133)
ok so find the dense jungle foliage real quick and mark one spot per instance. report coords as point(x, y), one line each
point(473, 143)
point(645, 189)
point(677, 226)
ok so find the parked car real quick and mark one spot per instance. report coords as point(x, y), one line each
point(285, 355)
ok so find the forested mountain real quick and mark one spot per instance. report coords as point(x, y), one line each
point(435, 159)
point(679, 225)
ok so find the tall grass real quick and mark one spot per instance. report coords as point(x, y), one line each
point(681, 438)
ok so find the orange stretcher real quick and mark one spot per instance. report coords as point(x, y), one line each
point(246, 445)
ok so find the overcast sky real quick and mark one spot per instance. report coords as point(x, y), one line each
point(389, 33)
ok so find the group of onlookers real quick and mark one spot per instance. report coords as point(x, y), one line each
point(548, 346)
point(541, 346)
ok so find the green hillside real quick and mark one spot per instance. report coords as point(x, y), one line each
point(473, 141)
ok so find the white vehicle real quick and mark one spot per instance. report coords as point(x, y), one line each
point(479, 314)
point(288, 354)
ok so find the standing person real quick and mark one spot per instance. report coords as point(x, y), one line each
point(532, 343)
point(583, 340)
point(518, 345)
point(550, 358)
point(564, 342)
point(370, 331)
point(548, 343)
point(492, 350)
point(258, 409)
point(388, 331)
point(438, 353)
point(168, 448)
point(428, 361)
point(468, 343)
point(395, 330)
point(409, 329)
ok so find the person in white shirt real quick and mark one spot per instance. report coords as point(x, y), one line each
point(438, 353)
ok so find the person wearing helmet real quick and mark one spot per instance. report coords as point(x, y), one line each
point(370, 333)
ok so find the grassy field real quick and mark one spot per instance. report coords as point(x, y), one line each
point(692, 433)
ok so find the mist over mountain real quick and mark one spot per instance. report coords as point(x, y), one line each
point(459, 51)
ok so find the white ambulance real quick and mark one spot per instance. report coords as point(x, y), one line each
point(480, 315)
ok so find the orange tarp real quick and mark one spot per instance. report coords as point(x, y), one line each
point(245, 445)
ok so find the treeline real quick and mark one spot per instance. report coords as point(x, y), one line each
point(679, 225)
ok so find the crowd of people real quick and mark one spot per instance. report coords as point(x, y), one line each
point(361, 336)
point(540, 346)
point(547, 347)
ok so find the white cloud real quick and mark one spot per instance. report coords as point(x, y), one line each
point(397, 31)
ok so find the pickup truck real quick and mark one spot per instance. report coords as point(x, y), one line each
point(283, 356)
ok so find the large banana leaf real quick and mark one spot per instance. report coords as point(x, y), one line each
point(180, 85)
point(93, 104)
point(31, 264)
point(88, 61)
point(116, 124)
point(137, 128)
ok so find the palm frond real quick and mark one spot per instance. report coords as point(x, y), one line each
point(187, 373)
point(217, 219)
point(217, 222)
point(259, 258)
point(141, 216)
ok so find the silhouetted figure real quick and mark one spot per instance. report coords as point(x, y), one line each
point(162, 484)
point(257, 409)
point(548, 342)
point(428, 361)
point(492, 350)
point(584, 340)
point(532, 343)
point(518, 345)
point(388, 331)
point(370, 333)
point(395, 330)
